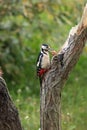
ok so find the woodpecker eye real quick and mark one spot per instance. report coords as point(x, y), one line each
point(46, 49)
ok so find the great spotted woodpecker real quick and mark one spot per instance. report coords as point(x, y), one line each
point(43, 61)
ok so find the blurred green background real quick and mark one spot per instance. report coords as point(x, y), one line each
point(24, 26)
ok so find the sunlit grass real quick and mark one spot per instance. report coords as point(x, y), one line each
point(28, 107)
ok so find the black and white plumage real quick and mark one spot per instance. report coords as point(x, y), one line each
point(43, 61)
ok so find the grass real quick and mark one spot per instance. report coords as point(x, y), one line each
point(74, 102)
point(28, 110)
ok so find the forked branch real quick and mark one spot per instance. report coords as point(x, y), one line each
point(56, 77)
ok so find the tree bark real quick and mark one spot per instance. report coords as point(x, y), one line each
point(54, 79)
point(9, 118)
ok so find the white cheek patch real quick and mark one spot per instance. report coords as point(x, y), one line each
point(44, 47)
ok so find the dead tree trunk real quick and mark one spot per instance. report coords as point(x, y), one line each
point(56, 77)
point(9, 118)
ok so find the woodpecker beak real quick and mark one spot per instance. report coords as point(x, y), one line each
point(50, 49)
point(53, 52)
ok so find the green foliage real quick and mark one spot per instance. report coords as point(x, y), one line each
point(74, 115)
point(24, 25)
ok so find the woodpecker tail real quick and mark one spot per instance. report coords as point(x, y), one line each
point(40, 79)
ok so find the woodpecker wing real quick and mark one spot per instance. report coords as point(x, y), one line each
point(39, 59)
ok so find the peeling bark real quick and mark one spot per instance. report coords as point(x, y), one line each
point(54, 80)
point(9, 118)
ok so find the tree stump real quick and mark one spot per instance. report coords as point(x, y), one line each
point(9, 118)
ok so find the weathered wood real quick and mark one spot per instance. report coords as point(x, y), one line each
point(9, 118)
point(54, 80)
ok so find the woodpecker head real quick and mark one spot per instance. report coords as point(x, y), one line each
point(45, 48)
